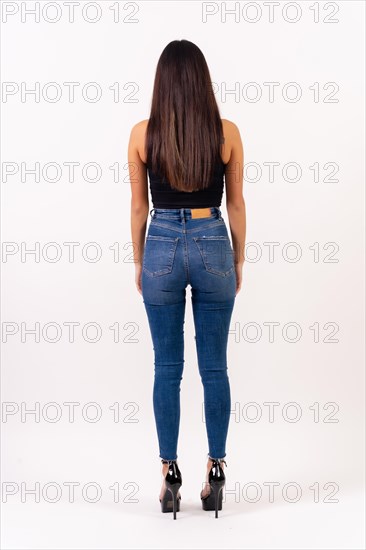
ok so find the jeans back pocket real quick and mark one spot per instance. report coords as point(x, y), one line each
point(159, 255)
point(217, 254)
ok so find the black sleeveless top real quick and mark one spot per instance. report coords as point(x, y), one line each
point(164, 196)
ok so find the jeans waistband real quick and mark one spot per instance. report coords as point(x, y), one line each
point(181, 213)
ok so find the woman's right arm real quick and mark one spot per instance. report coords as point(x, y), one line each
point(235, 203)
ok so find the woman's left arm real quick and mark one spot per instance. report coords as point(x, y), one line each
point(139, 197)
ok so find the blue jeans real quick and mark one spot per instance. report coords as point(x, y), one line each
point(181, 250)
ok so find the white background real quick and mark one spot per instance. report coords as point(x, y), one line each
point(311, 292)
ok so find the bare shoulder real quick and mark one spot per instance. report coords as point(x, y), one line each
point(230, 128)
point(138, 133)
point(232, 139)
point(232, 134)
point(140, 127)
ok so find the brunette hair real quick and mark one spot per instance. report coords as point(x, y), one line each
point(184, 133)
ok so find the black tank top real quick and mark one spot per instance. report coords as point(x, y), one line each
point(164, 196)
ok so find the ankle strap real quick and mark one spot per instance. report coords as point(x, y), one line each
point(218, 460)
point(168, 461)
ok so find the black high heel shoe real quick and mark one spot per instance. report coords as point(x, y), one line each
point(216, 479)
point(173, 481)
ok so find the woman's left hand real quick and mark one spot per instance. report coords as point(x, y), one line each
point(138, 273)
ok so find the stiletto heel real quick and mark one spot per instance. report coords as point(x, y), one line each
point(173, 481)
point(216, 479)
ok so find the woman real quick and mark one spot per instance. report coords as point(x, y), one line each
point(186, 148)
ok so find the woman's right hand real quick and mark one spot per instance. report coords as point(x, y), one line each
point(239, 276)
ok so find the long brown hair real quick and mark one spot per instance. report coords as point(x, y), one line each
point(184, 133)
